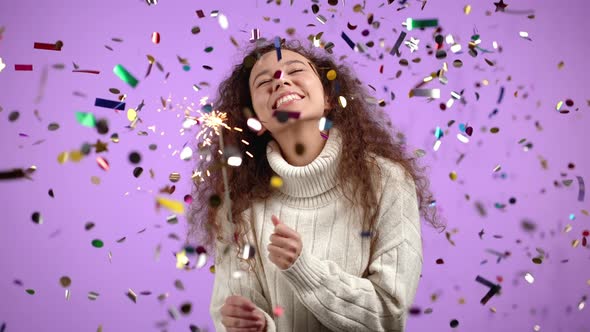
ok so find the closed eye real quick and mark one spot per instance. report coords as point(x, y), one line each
point(290, 73)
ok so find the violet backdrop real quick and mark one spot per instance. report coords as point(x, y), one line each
point(35, 256)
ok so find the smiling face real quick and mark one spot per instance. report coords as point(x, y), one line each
point(292, 84)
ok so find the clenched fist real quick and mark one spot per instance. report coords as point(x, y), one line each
point(238, 314)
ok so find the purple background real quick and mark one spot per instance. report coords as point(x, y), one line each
point(122, 205)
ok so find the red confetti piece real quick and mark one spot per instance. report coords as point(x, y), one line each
point(46, 46)
point(86, 71)
point(23, 67)
point(103, 163)
point(155, 37)
point(200, 13)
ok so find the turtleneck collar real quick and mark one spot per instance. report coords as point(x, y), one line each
point(313, 179)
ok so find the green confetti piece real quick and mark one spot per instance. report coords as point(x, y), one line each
point(186, 67)
point(125, 76)
point(418, 24)
point(86, 119)
point(31, 291)
point(97, 243)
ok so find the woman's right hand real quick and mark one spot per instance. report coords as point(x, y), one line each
point(238, 314)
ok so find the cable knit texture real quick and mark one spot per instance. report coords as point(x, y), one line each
point(338, 283)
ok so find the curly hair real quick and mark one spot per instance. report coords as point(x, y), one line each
point(365, 130)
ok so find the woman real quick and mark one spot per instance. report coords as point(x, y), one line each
point(322, 228)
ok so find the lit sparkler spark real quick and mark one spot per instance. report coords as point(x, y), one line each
point(211, 124)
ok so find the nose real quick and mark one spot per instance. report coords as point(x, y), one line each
point(280, 82)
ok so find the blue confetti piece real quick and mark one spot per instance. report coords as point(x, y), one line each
point(109, 104)
point(278, 47)
point(347, 40)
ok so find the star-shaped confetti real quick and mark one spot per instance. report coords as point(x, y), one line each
point(412, 44)
point(100, 146)
point(500, 6)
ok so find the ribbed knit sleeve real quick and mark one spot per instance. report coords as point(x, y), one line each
point(247, 285)
point(379, 302)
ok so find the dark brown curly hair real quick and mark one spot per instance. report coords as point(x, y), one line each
point(365, 130)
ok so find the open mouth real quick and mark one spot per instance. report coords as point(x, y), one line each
point(286, 100)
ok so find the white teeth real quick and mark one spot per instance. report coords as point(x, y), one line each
point(287, 98)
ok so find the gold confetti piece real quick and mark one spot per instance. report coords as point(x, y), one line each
point(65, 281)
point(63, 157)
point(567, 228)
point(467, 9)
point(276, 181)
point(95, 180)
point(131, 295)
point(331, 75)
point(575, 243)
point(76, 155)
point(174, 177)
point(131, 114)
point(494, 130)
point(560, 65)
point(453, 175)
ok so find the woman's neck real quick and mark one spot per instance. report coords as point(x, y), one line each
point(300, 143)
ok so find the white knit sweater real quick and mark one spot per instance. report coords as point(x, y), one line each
point(338, 283)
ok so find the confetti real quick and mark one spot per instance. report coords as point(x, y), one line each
point(125, 76)
point(155, 37)
point(347, 40)
point(331, 75)
point(277, 311)
point(454, 323)
point(431, 93)
point(2, 65)
point(398, 43)
point(109, 104)
point(418, 24)
point(131, 295)
point(65, 281)
point(582, 188)
point(494, 289)
point(284, 116)
point(277, 43)
point(86, 71)
point(37, 219)
point(46, 46)
point(172, 205)
point(23, 67)
point(276, 181)
point(97, 243)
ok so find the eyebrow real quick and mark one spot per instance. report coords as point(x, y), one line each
point(266, 71)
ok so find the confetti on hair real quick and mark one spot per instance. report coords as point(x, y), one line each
point(278, 47)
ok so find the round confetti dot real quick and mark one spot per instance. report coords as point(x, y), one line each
point(134, 157)
point(315, 8)
point(214, 200)
point(333, 2)
point(454, 323)
point(443, 106)
point(86, 149)
point(569, 103)
point(51, 194)
point(494, 130)
point(212, 269)
point(186, 67)
point(277, 311)
point(37, 219)
point(30, 291)
point(65, 281)
point(299, 148)
point(185, 308)
point(439, 39)
point(453, 175)
point(95, 180)
point(512, 200)
point(195, 30)
point(89, 225)
point(114, 91)
point(102, 126)
point(440, 261)
point(415, 311)
point(97, 243)
point(137, 171)
point(537, 260)
point(76, 155)
point(282, 117)
point(586, 233)
point(428, 311)
point(457, 63)
point(59, 44)
point(174, 177)
point(571, 166)
point(188, 199)
point(331, 75)
point(13, 116)
point(276, 182)
point(115, 138)
point(209, 49)
point(53, 126)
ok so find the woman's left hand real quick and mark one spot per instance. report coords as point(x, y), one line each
point(285, 245)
